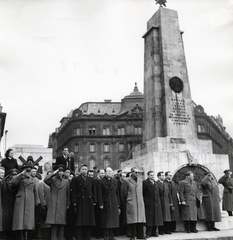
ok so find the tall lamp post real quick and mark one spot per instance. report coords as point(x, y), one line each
point(2, 125)
point(6, 132)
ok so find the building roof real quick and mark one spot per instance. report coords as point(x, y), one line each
point(101, 108)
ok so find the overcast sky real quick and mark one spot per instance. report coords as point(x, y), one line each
point(57, 54)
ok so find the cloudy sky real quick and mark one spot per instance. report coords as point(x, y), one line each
point(57, 54)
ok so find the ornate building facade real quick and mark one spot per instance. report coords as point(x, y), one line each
point(101, 133)
point(104, 133)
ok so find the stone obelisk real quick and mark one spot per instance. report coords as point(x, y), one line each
point(168, 109)
point(169, 137)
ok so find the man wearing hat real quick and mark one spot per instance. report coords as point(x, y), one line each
point(210, 201)
point(227, 182)
point(59, 203)
point(25, 202)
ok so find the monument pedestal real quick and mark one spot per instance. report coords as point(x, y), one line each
point(172, 154)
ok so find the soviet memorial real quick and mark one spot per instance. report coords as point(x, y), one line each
point(169, 133)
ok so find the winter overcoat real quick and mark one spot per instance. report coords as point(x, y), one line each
point(153, 207)
point(132, 195)
point(83, 194)
point(44, 196)
point(173, 188)
point(25, 202)
point(1, 195)
point(59, 199)
point(8, 164)
point(166, 200)
point(8, 203)
point(227, 199)
point(108, 197)
point(188, 194)
point(210, 200)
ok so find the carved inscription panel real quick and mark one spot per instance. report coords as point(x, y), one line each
point(178, 113)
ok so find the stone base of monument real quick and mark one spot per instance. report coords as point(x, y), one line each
point(172, 154)
point(179, 155)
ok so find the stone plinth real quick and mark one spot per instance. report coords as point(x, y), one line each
point(170, 154)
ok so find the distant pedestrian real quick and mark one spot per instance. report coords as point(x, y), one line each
point(227, 200)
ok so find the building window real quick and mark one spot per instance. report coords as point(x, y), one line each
point(106, 131)
point(200, 128)
point(106, 147)
point(76, 147)
point(92, 147)
point(77, 131)
point(106, 162)
point(92, 131)
point(121, 147)
point(92, 162)
point(121, 131)
point(137, 130)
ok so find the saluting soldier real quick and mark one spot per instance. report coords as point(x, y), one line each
point(59, 203)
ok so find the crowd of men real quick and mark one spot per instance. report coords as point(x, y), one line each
point(99, 203)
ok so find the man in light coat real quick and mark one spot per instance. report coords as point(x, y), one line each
point(188, 196)
point(25, 202)
point(132, 195)
point(59, 203)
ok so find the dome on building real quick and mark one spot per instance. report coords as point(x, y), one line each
point(135, 93)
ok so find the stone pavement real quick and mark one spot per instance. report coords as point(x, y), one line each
point(201, 235)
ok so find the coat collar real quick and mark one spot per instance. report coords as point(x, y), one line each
point(149, 182)
point(82, 181)
point(59, 183)
point(28, 181)
point(107, 182)
point(133, 181)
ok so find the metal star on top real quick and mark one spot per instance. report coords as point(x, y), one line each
point(161, 2)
